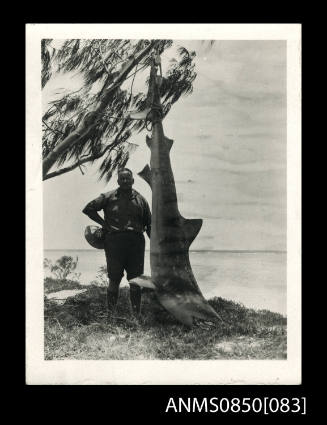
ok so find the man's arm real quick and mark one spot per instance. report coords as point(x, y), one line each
point(147, 218)
point(148, 230)
point(92, 208)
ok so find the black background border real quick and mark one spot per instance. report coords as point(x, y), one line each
point(110, 402)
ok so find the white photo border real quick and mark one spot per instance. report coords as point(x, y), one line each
point(161, 372)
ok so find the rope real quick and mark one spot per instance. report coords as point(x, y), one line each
point(147, 121)
point(156, 108)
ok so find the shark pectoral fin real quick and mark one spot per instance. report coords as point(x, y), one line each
point(191, 229)
point(169, 143)
point(186, 307)
point(143, 281)
point(146, 175)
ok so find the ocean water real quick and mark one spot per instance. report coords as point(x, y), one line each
point(256, 279)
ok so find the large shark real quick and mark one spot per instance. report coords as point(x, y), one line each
point(171, 233)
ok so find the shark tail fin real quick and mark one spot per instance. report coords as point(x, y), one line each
point(146, 174)
point(148, 141)
point(136, 115)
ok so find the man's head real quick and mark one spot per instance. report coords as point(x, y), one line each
point(125, 179)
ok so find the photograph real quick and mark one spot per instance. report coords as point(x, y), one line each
point(162, 226)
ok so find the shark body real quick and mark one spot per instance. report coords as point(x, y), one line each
point(171, 233)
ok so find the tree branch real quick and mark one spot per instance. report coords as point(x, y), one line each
point(86, 158)
point(51, 129)
point(90, 120)
point(78, 163)
point(102, 58)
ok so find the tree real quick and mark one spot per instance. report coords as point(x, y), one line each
point(101, 277)
point(93, 122)
point(62, 268)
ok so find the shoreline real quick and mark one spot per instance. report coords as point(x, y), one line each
point(232, 251)
point(257, 280)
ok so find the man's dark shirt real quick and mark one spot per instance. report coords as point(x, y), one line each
point(121, 211)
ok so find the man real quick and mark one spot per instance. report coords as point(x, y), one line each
point(126, 216)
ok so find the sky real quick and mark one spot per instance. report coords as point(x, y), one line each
point(228, 156)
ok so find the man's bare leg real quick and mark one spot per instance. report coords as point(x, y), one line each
point(135, 297)
point(112, 296)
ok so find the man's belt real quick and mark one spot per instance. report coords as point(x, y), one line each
point(123, 229)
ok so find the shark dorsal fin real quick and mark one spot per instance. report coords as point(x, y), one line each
point(169, 143)
point(191, 228)
point(146, 175)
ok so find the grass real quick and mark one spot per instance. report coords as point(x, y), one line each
point(55, 285)
point(78, 329)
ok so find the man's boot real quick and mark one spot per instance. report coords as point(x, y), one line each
point(135, 297)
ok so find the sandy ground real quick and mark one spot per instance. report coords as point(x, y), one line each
point(61, 296)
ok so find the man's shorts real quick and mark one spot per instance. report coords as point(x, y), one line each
point(124, 251)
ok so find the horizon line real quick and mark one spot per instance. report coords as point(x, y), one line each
point(191, 250)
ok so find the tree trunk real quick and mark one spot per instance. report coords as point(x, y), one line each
point(90, 119)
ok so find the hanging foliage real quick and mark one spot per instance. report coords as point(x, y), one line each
point(106, 130)
point(47, 53)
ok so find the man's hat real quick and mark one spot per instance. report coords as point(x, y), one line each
point(95, 236)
